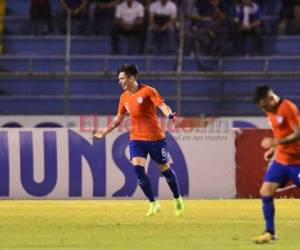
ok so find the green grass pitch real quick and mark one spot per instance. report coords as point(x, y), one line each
point(122, 224)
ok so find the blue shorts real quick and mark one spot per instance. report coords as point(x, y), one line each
point(157, 150)
point(282, 174)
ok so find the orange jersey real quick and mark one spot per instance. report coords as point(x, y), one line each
point(141, 107)
point(283, 121)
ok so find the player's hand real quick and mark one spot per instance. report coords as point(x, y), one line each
point(98, 134)
point(174, 118)
point(269, 142)
point(269, 154)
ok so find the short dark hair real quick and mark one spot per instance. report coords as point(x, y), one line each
point(261, 92)
point(129, 70)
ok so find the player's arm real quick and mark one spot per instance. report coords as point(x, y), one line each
point(159, 102)
point(100, 133)
point(269, 154)
point(292, 117)
point(269, 142)
point(166, 110)
point(291, 138)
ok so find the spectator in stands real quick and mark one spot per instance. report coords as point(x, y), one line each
point(210, 26)
point(187, 7)
point(103, 12)
point(289, 17)
point(79, 15)
point(162, 20)
point(248, 21)
point(146, 4)
point(128, 22)
point(296, 22)
point(200, 27)
point(40, 14)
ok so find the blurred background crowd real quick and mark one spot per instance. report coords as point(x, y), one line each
point(212, 27)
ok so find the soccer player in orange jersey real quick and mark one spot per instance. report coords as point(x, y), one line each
point(283, 115)
point(140, 102)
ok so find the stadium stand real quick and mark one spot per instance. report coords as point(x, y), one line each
point(33, 70)
point(55, 45)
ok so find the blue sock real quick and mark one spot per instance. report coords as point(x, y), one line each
point(144, 182)
point(269, 212)
point(171, 178)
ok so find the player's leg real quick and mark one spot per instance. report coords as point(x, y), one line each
point(142, 178)
point(275, 177)
point(267, 192)
point(159, 153)
point(145, 184)
point(172, 181)
point(171, 178)
point(138, 156)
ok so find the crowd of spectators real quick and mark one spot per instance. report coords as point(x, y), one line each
point(212, 27)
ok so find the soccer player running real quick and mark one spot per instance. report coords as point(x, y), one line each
point(283, 116)
point(140, 102)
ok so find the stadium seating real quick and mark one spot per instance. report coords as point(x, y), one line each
point(216, 96)
point(227, 94)
point(22, 7)
point(55, 45)
point(85, 63)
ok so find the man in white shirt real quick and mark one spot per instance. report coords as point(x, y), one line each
point(129, 19)
point(162, 20)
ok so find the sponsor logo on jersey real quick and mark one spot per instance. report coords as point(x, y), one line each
point(279, 119)
point(140, 100)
